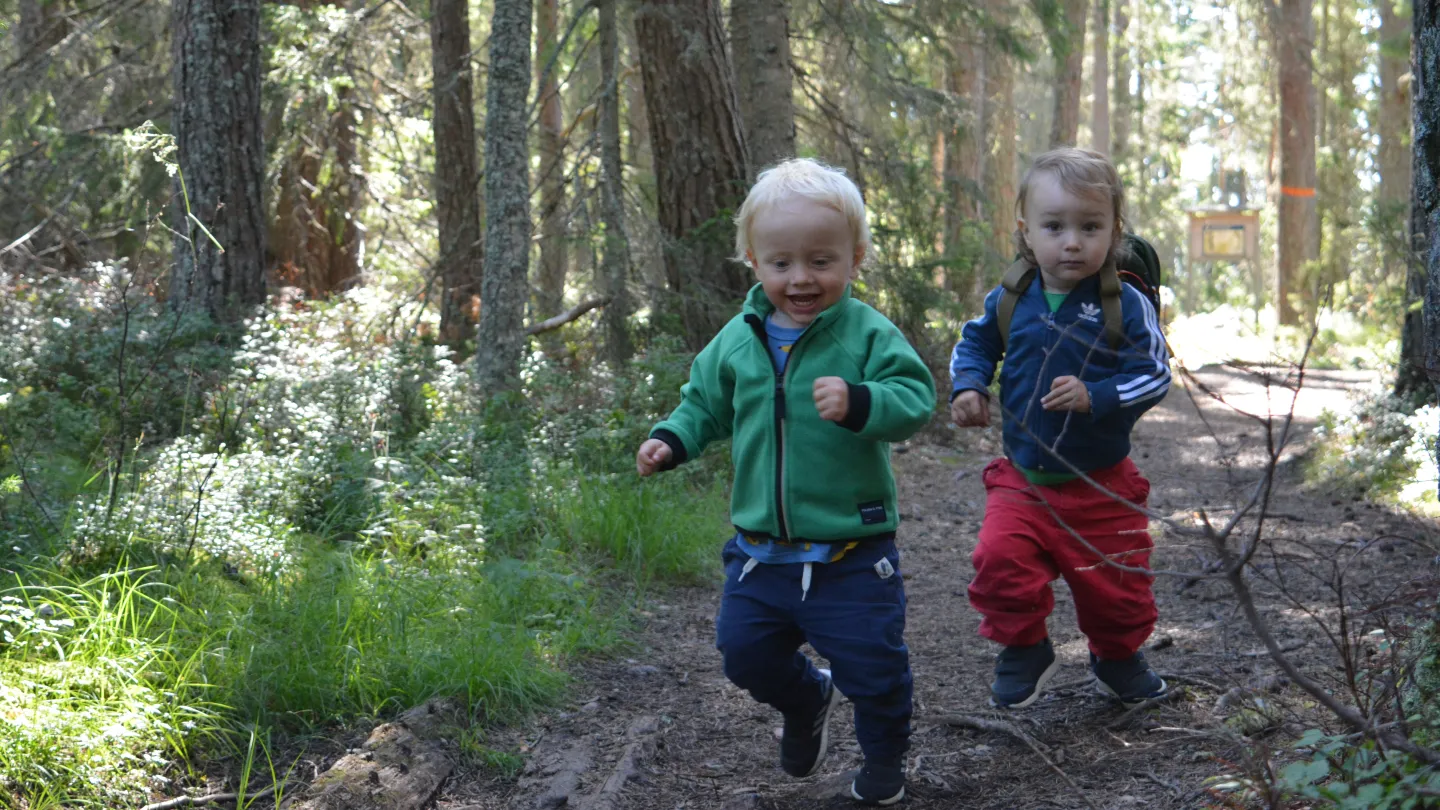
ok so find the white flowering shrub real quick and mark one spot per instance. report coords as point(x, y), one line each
point(1379, 448)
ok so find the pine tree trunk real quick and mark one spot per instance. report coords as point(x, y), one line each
point(1067, 47)
point(1426, 196)
point(1002, 176)
point(217, 130)
point(1120, 94)
point(962, 159)
point(1100, 103)
point(554, 261)
point(507, 199)
point(700, 158)
point(760, 44)
point(42, 25)
point(1296, 243)
point(1394, 195)
point(457, 178)
point(615, 266)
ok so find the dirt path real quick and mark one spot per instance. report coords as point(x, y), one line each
point(664, 729)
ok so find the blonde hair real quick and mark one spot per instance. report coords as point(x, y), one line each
point(812, 180)
point(1081, 172)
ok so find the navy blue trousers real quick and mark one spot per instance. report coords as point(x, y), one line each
point(852, 616)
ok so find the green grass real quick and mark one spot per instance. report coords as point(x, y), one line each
point(97, 688)
point(659, 529)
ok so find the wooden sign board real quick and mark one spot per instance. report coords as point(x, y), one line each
point(1220, 237)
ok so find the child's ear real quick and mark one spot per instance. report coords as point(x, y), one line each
point(859, 256)
point(1023, 231)
point(750, 259)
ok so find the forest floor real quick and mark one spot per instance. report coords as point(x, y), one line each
point(665, 729)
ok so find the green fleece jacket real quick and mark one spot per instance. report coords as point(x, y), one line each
point(799, 477)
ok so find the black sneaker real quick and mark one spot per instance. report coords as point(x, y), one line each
point(1130, 680)
point(805, 740)
point(1020, 674)
point(877, 784)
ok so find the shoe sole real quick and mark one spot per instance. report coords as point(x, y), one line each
point(825, 726)
point(880, 802)
point(1129, 704)
point(1039, 685)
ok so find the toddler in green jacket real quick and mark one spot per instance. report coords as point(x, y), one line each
point(811, 386)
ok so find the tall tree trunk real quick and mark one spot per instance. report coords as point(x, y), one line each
point(1425, 200)
point(550, 294)
point(700, 158)
point(1100, 102)
point(218, 135)
point(314, 241)
point(1296, 243)
point(507, 199)
point(1003, 168)
point(760, 44)
point(1120, 94)
point(1393, 194)
point(1067, 46)
point(457, 178)
point(615, 266)
point(962, 159)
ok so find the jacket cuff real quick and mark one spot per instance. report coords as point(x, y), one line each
point(1103, 399)
point(859, 412)
point(678, 455)
point(964, 385)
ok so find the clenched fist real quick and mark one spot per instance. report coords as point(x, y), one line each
point(652, 456)
point(970, 409)
point(1067, 394)
point(832, 398)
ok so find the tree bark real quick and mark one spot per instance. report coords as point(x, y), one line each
point(1425, 90)
point(554, 261)
point(700, 158)
point(1394, 195)
point(314, 240)
point(457, 177)
point(1120, 95)
point(760, 44)
point(507, 199)
point(41, 26)
point(217, 130)
point(1003, 169)
point(1100, 102)
point(1296, 243)
point(963, 179)
point(1067, 46)
point(615, 266)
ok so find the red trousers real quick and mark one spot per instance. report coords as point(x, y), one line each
point(1025, 544)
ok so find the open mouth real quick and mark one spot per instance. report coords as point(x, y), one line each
point(803, 301)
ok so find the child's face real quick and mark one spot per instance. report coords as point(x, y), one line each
point(1071, 235)
point(804, 254)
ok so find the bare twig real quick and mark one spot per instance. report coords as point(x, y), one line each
point(1131, 713)
point(213, 798)
point(566, 316)
point(999, 727)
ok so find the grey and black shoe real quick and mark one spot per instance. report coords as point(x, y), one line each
point(804, 741)
point(1130, 680)
point(879, 785)
point(1020, 674)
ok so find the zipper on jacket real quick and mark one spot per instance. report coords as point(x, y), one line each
point(758, 326)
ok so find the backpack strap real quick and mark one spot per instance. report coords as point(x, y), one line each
point(1015, 281)
point(1110, 304)
point(1018, 279)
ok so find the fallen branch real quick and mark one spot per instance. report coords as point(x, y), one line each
point(213, 798)
point(642, 746)
point(1130, 713)
point(982, 724)
point(566, 316)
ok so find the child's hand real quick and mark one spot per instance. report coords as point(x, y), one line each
point(832, 398)
point(1067, 394)
point(652, 456)
point(970, 409)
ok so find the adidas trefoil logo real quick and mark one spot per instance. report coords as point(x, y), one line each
point(1090, 312)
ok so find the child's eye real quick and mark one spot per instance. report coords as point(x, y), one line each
point(781, 264)
point(822, 262)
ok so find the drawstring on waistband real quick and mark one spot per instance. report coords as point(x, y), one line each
point(749, 566)
point(805, 581)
